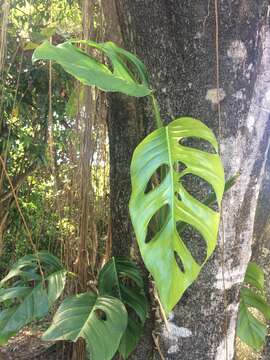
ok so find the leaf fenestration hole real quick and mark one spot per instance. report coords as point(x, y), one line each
point(179, 262)
point(157, 222)
point(198, 143)
point(178, 166)
point(193, 240)
point(178, 196)
point(100, 314)
point(200, 190)
point(211, 201)
point(156, 179)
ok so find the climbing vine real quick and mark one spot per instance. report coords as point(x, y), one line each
point(159, 164)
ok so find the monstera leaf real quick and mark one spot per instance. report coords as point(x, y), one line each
point(250, 329)
point(27, 267)
point(28, 298)
point(254, 276)
point(121, 278)
point(229, 183)
point(100, 320)
point(89, 71)
point(163, 149)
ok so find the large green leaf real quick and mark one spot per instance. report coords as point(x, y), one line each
point(121, 278)
point(211, 198)
point(27, 267)
point(254, 276)
point(100, 320)
point(114, 272)
point(55, 285)
point(251, 329)
point(162, 148)
point(27, 299)
point(32, 306)
point(91, 72)
point(130, 338)
point(14, 292)
point(256, 301)
point(4, 318)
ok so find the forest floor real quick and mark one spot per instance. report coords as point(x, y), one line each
point(244, 352)
point(26, 345)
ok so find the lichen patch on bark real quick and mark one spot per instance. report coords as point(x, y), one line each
point(215, 96)
point(237, 52)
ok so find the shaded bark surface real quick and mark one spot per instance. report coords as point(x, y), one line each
point(128, 123)
point(261, 237)
point(176, 41)
point(126, 133)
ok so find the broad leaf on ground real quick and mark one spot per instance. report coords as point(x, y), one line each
point(27, 267)
point(121, 278)
point(100, 320)
point(27, 299)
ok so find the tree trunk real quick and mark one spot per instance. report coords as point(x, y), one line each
point(176, 41)
point(3, 221)
point(82, 261)
point(261, 237)
point(86, 114)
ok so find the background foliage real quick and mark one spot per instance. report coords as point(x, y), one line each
point(47, 182)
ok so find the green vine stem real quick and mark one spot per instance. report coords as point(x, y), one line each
point(156, 112)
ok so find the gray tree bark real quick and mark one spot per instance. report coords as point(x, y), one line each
point(176, 41)
point(261, 238)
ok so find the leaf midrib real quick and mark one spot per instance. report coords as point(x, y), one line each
point(19, 306)
point(81, 332)
point(171, 172)
point(117, 280)
point(40, 285)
